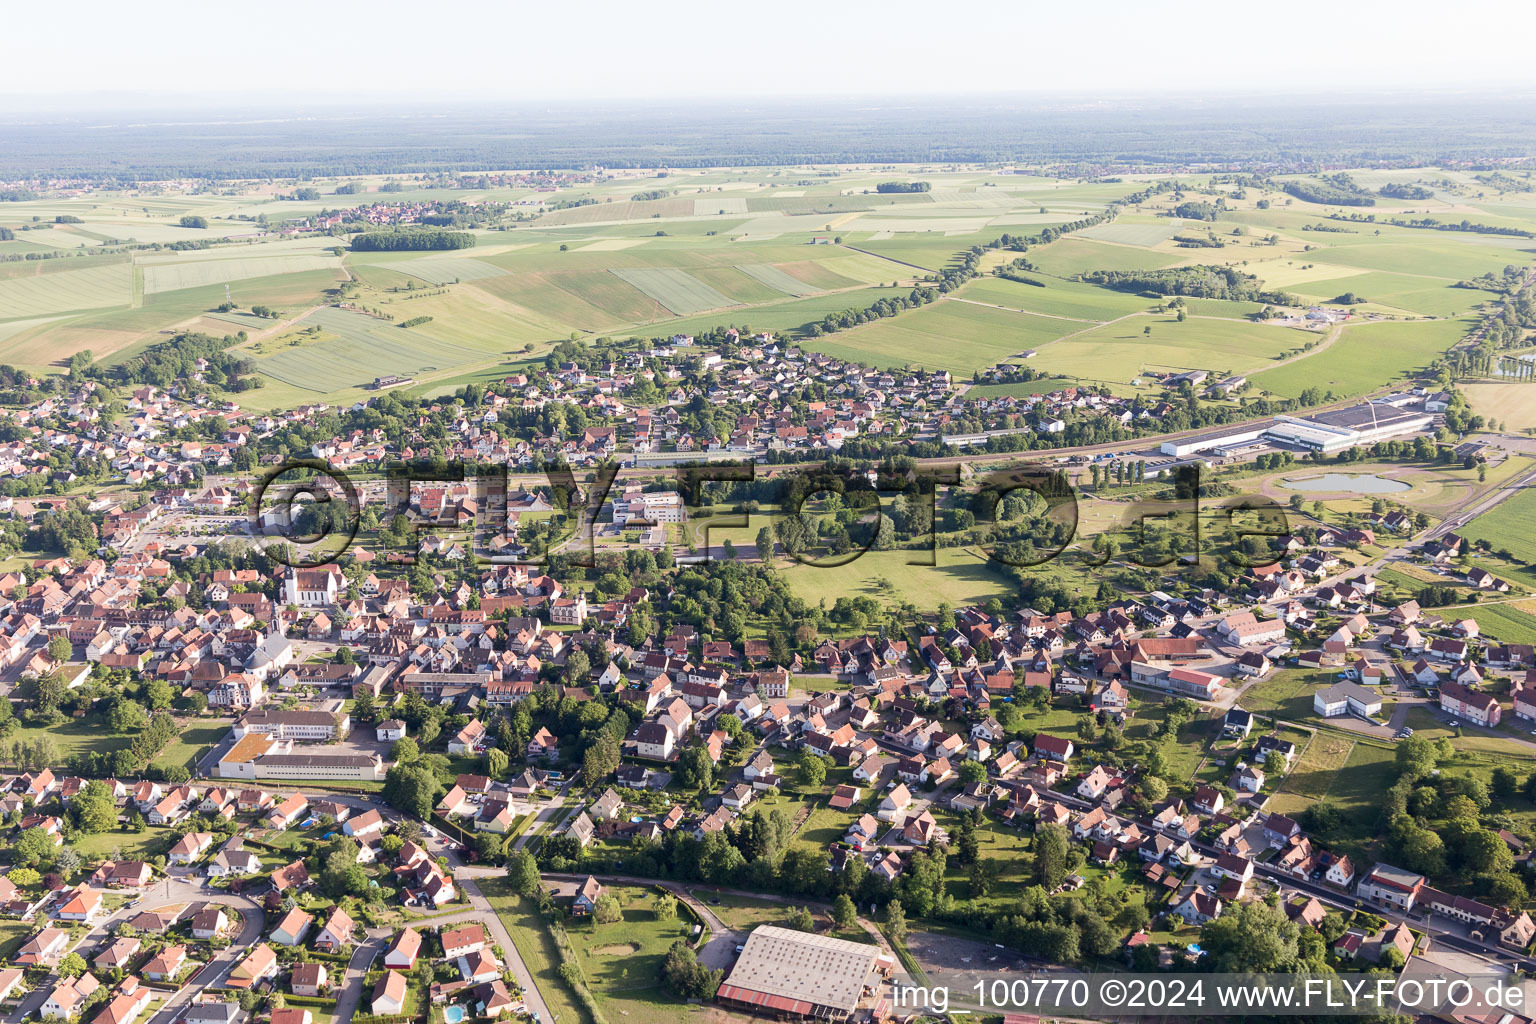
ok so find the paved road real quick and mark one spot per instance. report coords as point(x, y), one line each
point(487, 916)
point(180, 889)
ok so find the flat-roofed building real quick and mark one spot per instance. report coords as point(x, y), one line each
point(305, 726)
point(788, 973)
point(266, 757)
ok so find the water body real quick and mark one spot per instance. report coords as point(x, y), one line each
point(1350, 483)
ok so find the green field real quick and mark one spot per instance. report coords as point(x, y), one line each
point(1365, 356)
point(76, 736)
point(959, 578)
point(1126, 231)
point(1058, 298)
point(1357, 787)
point(1123, 350)
point(948, 334)
point(195, 740)
point(1508, 525)
point(788, 315)
point(675, 289)
point(589, 300)
point(535, 946)
point(95, 287)
point(365, 348)
point(172, 277)
point(1070, 255)
point(622, 961)
point(1314, 774)
point(1397, 292)
point(1503, 622)
point(777, 279)
point(447, 269)
point(1426, 253)
point(741, 288)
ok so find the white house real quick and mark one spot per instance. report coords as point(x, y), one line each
point(1346, 698)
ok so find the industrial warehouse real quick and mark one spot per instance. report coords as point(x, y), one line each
point(1323, 432)
point(788, 973)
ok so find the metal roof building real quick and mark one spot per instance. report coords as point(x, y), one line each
point(790, 973)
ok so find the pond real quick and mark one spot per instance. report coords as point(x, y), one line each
point(1350, 483)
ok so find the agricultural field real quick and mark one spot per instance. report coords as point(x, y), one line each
point(1507, 623)
point(1072, 299)
point(364, 348)
point(953, 335)
point(98, 287)
point(1365, 356)
point(778, 279)
point(171, 277)
point(1130, 230)
point(1508, 525)
point(446, 269)
point(1123, 350)
point(677, 290)
point(1509, 404)
point(768, 250)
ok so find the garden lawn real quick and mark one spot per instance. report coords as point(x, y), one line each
point(76, 736)
point(195, 740)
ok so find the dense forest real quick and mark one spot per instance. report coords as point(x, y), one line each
point(413, 240)
point(1337, 189)
point(1282, 135)
point(1200, 282)
point(1397, 191)
point(176, 359)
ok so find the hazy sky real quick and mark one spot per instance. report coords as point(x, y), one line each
point(327, 50)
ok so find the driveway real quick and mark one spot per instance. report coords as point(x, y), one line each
point(351, 990)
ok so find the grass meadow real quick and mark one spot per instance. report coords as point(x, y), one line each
point(1365, 356)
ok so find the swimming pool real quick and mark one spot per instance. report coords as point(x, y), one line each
point(454, 1014)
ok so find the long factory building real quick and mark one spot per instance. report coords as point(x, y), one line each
point(1330, 431)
